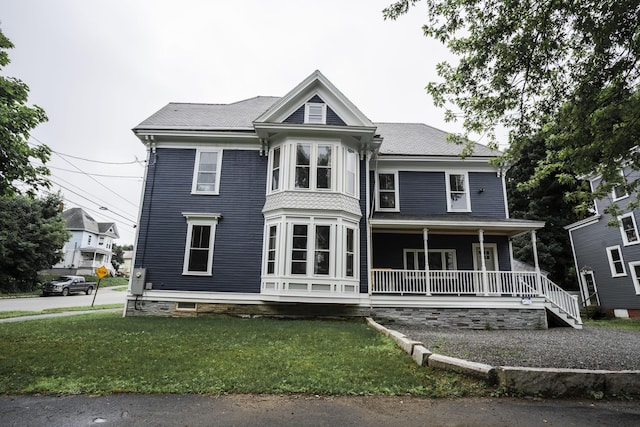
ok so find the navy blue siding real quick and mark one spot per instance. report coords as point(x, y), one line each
point(590, 245)
point(364, 276)
point(425, 193)
point(297, 116)
point(238, 239)
point(388, 248)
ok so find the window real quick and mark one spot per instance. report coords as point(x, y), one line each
point(206, 176)
point(457, 192)
point(620, 190)
point(198, 256)
point(349, 253)
point(387, 194)
point(303, 165)
point(616, 263)
point(275, 169)
point(89, 240)
point(442, 259)
point(313, 167)
point(323, 249)
point(350, 176)
point(271, 250)
point(323, 171)
point(315, 113)
point(628, 229)
point(439, 259)
point(100, 240)
point(635, 273)
point(299, 249)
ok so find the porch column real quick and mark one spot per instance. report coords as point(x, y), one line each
point(483, 264)
point(534, 245)
point(425, 238)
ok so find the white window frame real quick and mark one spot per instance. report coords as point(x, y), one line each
point(274, 249)
point(196, 166)
point(351, 174)
point(308, 115)
point(313, 166)
point(612, 265)
point(443, 257)
point(614, 197)
point(202, 219)
point(273, 167)
point(396, 191)
point(467, 194)
point(625, 238)
point(634, 275)
point(354, 253)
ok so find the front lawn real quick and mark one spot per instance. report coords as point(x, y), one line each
point(617, 323)
point(106, 353)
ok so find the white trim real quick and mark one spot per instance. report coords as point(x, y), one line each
point(202, 219)
point(356, 175)
point(196, 171)
point(613, 190)
point(270, 189)
point(504, 195)
point(467, 196)
point(582, 223)
point(625, 239)
point(493, 247)
point(612, 266)
point(396, 189)
point(634, 276)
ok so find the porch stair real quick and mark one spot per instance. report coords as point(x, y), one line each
point(561, 305)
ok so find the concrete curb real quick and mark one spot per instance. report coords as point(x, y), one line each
point(61, 314)
point(531, 381)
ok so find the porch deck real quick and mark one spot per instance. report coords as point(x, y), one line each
point(523, 284)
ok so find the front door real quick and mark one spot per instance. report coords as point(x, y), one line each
point(491, 262)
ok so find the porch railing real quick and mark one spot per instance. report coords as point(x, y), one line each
point(462, 282)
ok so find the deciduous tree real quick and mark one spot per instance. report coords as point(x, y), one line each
point(17, 119)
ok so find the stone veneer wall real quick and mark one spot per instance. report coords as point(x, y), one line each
point(455, 318)
point(463, 318)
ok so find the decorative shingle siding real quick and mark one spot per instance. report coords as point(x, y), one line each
point(590, 245)
point(238, 239)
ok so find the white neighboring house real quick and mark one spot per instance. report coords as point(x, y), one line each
point(90, 245)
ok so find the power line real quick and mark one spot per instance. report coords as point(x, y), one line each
point(90, 160)
point(95, 174)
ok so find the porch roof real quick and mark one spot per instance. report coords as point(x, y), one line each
point(453, 223)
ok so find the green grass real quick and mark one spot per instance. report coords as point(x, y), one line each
point(105, 353)
point(617, 323)
point(7, 314)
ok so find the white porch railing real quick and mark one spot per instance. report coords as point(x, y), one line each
point(464, 282)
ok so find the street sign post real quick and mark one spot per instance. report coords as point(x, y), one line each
point(100, 272)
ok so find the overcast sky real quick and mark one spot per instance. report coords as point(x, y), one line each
point(98, 68)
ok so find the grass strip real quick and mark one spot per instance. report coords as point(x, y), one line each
point(8, 314)
point(617, 323)
point(106, 353)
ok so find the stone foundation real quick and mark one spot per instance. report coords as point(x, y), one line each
point(455, 318)
point(463, 318)
point(173, 309)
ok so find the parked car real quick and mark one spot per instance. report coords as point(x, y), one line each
point(64, 285)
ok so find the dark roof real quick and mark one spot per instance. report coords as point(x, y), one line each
point(78, 219)
point(405, 139)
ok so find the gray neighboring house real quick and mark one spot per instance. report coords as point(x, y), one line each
point(90, 244)
point(300, 205)
point(607, 258)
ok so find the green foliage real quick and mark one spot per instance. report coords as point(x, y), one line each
point(568, 69)
point(32, 234)
point(212, 355)
point(117, 258)
point(16, 121)
point(617, 323)
point(543, 202)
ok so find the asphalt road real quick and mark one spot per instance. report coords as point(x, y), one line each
point(295, 410)
point(104, 296)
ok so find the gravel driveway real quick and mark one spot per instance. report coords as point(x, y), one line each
point(593, 347)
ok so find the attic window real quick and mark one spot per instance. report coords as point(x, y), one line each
point(315, 113)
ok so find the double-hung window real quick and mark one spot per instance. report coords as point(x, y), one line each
point(388, 191)
point(299, 249)
point(628, 229)
point(206, 172)
point(271, 249)
point(314, 168)
point(616, 263)
point(458, 192)
point(198, 254)
point(322, 250)
point(351, 163)
point(275, 169)
point(442, 259)
point(635, 273)
point(620, 190)
point(349, 268)
point(311, 243)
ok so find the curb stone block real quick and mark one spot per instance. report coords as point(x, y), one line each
point(478, 370)
point(551, 381)
point(420, 354)
point(622, 383)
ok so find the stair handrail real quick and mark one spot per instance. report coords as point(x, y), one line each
point(561, 299)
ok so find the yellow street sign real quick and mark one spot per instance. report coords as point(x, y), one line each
point(102, 272)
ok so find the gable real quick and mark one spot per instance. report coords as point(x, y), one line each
point(290, 108)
